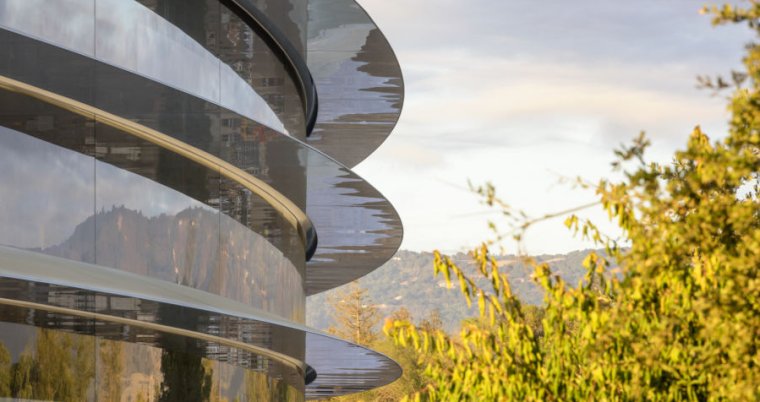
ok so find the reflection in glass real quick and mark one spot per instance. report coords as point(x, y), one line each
point(258, 65)
point(185, 376)
point(29, 216)
point(51, 365)
point(342, 205)
point(43, 19)
point(121, 34)
point(358, 79)
point(137, 222)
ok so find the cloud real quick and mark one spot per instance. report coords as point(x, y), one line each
point(637, 31)
point(498, 102)
point(519, 92)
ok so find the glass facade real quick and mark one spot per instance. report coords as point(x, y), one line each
point(163, 209)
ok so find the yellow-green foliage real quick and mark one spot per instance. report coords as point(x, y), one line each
point(675, 315)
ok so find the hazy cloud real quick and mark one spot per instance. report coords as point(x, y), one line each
point(521, 92)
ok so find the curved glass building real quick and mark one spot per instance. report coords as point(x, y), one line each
point(175, 179)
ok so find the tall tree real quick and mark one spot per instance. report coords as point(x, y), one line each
point(5, 371)
point(679, 320)
point(111, 366)
point(432, 322)
point(355, 315)
point(401, 314)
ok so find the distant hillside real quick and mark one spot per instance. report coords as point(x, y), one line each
point(407, 280)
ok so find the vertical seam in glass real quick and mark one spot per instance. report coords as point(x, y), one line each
point(297, 218)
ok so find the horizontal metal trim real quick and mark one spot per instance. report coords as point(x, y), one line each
point(285, 359)
point(34, 267)
point(37, 267)
point(295, 216)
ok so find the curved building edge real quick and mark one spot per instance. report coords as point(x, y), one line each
point(297, 218)
point(361, 84)
point(340, 259)
point(341, 367)
point(336, 261)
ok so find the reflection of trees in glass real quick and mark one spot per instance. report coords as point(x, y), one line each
point(22, 382)
point(110, 368)
point(59, 367)
point(258, 386)
point(185, 377)
point(5, 371)
point(65, 366)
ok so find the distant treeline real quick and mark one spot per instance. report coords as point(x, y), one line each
point(407, 281)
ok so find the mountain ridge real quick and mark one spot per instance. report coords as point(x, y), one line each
point(407, 280)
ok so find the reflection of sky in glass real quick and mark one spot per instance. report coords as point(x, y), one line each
point(117, 187)
point(353, 97)
point(43, 19)
point(343, 88)
point(357, 77)
point(130, 36)
point(47, 199)
point(48, 190)
point(358, 225)
point(358, 229)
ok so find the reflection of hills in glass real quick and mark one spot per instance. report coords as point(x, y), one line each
point(61, 366)
point(187, 248)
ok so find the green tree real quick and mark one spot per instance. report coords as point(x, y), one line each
point(22, 382)
point(111, 367)
point(5, 371)
point(432, 322)
point(401, 314)
point(64, 365)
point(355, 315)
point(412, 378)
point(185, 377)
point(679, 316)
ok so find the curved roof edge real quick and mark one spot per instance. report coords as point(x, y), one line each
point(358, 77)
point(359, 229)
point(341, 367)
point(342, 256)
point(353, 369)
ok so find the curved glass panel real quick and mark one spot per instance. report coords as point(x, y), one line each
point(262, 68)
point(290, 16)
point(138, 217)
point(45, 362)
point(358, 79)
point(146, 304)
point(41, 19)
point(47, 189)
point(132, 37)
point(358, 229)
point(149, 243)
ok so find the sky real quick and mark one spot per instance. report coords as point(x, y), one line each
point(526, 95)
